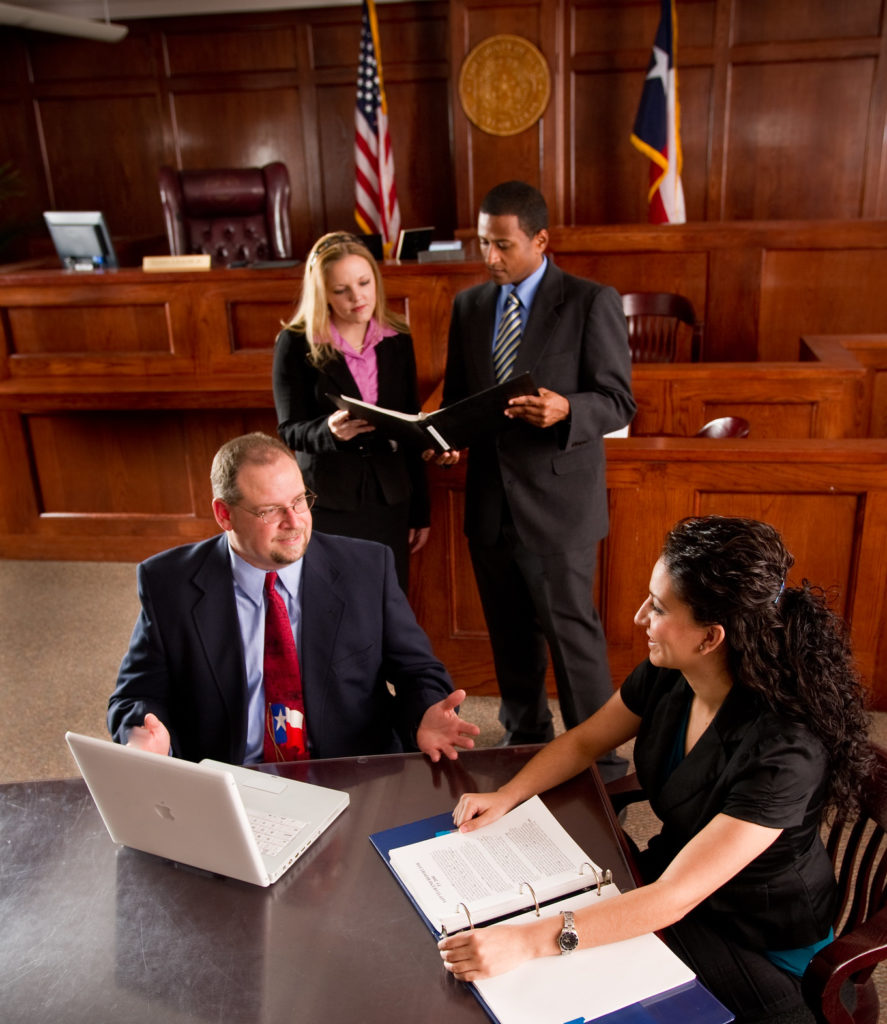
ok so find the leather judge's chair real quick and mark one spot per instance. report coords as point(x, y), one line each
point(237, 214)
point(838, 985)
point(662, 327)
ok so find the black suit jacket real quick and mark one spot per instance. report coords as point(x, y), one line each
point(185, 661)
point(337, 470)
point(575, 343)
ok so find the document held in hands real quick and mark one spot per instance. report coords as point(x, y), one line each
point(448, 429)
point(524, 858)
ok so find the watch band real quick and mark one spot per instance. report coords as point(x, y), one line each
point(568, 940)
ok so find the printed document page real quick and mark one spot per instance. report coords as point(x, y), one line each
point(496, 870)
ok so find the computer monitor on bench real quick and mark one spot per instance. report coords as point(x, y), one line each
point(81, 240)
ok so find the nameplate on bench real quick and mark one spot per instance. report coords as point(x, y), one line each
point(198, 261)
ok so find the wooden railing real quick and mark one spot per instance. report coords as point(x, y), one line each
point(828, 498)
point(116, 390)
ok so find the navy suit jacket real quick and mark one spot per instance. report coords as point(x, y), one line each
point(576, 344)
point(185, 660)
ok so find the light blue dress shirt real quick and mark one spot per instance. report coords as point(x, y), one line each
point(526, 292)
point(249, 595)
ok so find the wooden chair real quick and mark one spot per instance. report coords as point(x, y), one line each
point(725, 426)
point(837, 984)
point(654, 328)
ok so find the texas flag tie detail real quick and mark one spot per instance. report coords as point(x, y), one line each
point(285, 736)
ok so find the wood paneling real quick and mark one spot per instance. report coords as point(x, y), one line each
point(105, 451)
point(761, 85)
point(71, 64)
point(783, 111)
point(198, 114)
point(59, 324)
point(761, 21)
point(758, 286)
point(774, 162)
point(126, 329)
point(120, 172)
point(95, 122)
point(207, 52)
point(142, 459)
point(869, 351)
point(838, 291)
point(809, 491)
point(482, 160)
point(780, 400)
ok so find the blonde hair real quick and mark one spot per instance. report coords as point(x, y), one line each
point(313, 313)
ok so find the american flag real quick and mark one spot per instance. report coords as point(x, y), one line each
point(657, 131)
point(375, 194)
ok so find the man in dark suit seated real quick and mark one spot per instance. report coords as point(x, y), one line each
point(535, 492)
point(193, 680)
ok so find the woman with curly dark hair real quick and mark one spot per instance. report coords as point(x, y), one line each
point(750, 724)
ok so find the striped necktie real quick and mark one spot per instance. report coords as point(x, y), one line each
point(507, 338)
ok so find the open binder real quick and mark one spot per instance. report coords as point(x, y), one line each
point(638, 981)
point(448, 429)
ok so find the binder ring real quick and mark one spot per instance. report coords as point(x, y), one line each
point(533, 894)
point(601, 879)
point(467, 914)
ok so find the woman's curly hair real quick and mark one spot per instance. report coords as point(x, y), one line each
point(782, 642)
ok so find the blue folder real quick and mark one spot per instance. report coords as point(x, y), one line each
point(687, 1004)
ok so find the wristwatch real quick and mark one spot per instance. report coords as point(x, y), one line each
point(568, 940)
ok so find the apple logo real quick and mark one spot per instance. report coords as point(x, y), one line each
point(164, 812)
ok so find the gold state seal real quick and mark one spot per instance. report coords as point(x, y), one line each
point(504, 85)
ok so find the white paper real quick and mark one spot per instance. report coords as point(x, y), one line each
point(587, 983)
point(496, 870)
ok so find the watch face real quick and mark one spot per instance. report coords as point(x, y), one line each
point(568, 941)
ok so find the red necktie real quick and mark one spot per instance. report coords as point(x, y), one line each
point(285, 735)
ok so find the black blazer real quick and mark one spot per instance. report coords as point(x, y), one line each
point(750, 764)
point(337, 470)
point(185, 660)
point(575, 343)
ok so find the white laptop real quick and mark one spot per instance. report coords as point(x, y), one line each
point(220, 818)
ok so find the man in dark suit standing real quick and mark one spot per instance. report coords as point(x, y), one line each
point(536, 502)
point(191, 683)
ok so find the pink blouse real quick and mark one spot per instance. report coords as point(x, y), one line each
point(363, 365)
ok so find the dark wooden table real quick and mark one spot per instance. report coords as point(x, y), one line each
point(96, 933)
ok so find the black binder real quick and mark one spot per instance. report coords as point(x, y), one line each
point(448, 429)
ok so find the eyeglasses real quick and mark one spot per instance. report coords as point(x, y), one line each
point(341, 238)
point(275, 516)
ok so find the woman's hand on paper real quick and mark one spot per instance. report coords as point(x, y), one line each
point(485, 952)
point(344, 428)
point(474, 810)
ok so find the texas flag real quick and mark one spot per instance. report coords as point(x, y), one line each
point(657, 125)
point(288, 726)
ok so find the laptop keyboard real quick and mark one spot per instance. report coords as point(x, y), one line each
point(273, 831)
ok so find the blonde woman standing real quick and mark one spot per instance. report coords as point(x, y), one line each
point(343, 339)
